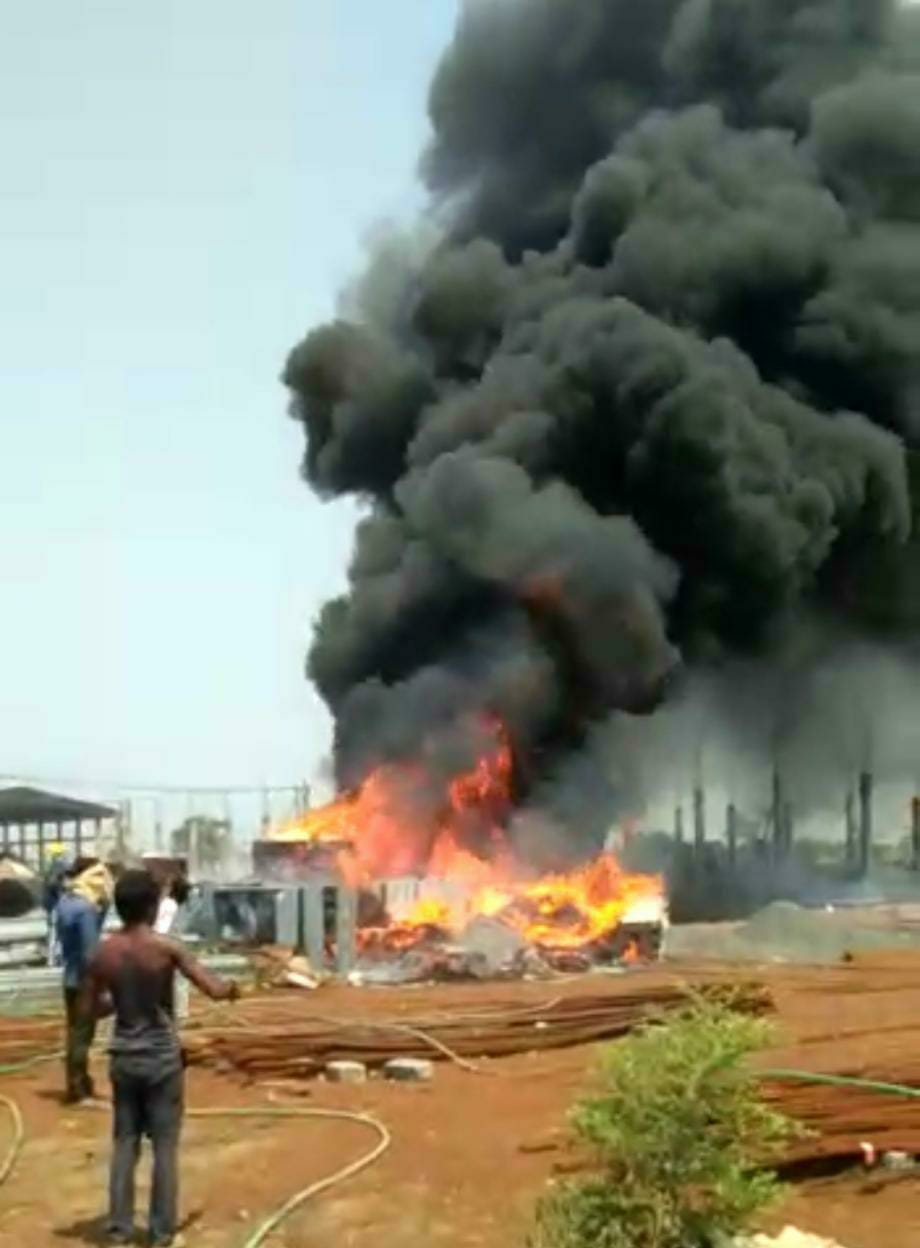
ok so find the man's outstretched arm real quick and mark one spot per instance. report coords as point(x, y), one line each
point(211, 985)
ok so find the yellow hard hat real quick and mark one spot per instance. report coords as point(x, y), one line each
point(56, 849)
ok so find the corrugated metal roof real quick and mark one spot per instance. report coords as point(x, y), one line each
point(21, 804)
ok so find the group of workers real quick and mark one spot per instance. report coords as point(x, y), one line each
point(132, 975)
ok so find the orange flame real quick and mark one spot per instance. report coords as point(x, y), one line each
point(384, 831)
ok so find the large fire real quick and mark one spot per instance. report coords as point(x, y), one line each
point(455, 841)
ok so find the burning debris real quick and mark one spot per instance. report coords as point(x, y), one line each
point(651, 393)
point(471, 890)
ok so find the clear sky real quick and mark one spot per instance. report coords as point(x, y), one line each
point(186, 185)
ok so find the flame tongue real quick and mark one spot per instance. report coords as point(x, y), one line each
point(393, 825)
point(383, 831)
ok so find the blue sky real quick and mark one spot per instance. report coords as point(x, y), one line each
point(186, 187)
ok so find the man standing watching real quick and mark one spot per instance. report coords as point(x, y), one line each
point(132, 974)
point(80, 915)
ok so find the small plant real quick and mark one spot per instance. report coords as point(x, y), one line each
point(678, 1138)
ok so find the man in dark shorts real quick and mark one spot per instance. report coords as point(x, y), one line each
point(132, 975)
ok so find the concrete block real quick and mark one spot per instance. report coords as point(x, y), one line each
point(346, 1072)
point(409, 1070)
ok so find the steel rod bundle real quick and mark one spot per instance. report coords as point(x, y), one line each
point(302, 1045)
point(841, 1117)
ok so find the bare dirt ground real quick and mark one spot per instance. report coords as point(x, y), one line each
point(470, 1152)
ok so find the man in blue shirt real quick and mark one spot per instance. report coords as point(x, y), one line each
point(80, 916)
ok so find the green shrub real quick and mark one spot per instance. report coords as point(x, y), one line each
point(678, 1137)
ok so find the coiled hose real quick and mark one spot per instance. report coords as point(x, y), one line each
point(274, 1220)
point(19, 1134)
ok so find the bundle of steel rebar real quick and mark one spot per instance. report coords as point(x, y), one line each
point(301, 1042)
point(841, 1118)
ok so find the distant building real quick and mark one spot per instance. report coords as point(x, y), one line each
point(31, 820)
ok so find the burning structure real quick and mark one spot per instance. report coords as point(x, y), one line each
point(650, 391)
point(461, 852)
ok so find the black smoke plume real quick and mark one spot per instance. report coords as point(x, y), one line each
point(654, 389)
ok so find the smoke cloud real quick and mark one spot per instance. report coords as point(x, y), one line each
point(652, 391)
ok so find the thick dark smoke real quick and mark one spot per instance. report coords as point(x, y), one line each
point(655, 388)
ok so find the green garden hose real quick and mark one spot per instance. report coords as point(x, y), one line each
point(841, 1081)
point(14, 1068)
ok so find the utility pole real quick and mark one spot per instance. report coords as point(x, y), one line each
point(865, 822)
point(158, 831)
point(731, 833)
point(788, 828)
point(123, 829)
point(699, 820)
point(850, 816)
point(777, 814)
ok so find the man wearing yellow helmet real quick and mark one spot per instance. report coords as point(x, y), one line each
point(80, 915)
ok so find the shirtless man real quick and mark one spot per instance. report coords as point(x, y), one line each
point(132, 975)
